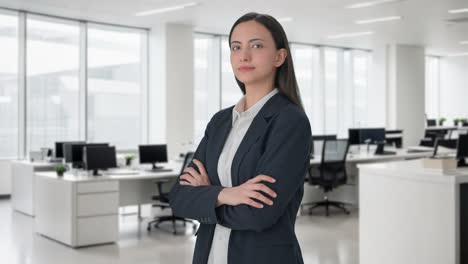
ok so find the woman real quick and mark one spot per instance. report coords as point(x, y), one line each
point(246, 180)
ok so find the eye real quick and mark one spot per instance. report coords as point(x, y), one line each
point(257, 46)
point(235, 47)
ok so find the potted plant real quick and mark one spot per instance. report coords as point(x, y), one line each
point(128, 159)
point(441, 121)
point(456, 121)
point(60, 169)
point(464, 121)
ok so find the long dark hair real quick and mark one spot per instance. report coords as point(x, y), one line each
point(285, 78)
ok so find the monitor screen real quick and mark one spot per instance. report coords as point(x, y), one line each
point(152, 153)
point(59, 149)
point(462, 146)
point(354, 136)
point(372, 135)
point(73, 152)
point(99, 157)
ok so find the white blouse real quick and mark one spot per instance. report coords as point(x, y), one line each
point(241, 121)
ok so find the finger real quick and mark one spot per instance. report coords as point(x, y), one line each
point(200, 166)
point(192, 172)
point(185, 183)
point(260, 197)
point(261, 178)
point(253, 203)
point(189, 178)
point(265, 189)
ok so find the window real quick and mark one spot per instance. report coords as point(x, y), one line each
point(331, 90)
point(115, 98)
point(207, 84)
point(52, 103)
point(333, 86)
point(231, 92)
point(307, 68)
point(9, 85)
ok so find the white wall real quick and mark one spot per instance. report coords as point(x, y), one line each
point(406, 94)
point(5, 177)
point(454, 88)
point(180, 87)
point(377, 87)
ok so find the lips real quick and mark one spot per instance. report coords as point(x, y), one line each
point(246, 68)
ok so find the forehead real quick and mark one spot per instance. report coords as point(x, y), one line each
point(249, 30)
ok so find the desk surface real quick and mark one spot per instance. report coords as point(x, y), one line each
point(140, 175)
point(364, 156)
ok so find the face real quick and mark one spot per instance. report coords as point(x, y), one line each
point(254, 57)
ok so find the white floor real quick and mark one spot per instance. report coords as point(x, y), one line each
point(323, 240)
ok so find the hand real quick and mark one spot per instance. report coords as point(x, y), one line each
point(192, 177)
point(247, 192)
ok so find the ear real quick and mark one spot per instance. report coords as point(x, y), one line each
point(281, 55)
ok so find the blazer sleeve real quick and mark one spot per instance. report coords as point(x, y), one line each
point(286, 158)
point(196, 202)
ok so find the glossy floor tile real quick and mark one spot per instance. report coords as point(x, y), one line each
point(323, 240)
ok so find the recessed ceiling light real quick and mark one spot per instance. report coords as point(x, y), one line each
point(376, 20)
point(458, 54)
point(456, 11)
point(285, 19)
point(349, 35)
point(372, 3)
point(165, 9)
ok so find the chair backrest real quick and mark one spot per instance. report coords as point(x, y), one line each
point(317, 142)
point(335, 150)
point(187, 159)
point(332, 169)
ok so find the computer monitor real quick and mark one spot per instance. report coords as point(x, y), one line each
point(59, 153)
point(153, 154)
point(446, 143)
point(73, 152)
point(99, 158)
point(358, 136)
point(354, 137)
point(372, 135)
point(462, 150)
point(431, 122)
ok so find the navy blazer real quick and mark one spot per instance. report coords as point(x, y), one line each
point(277, 144)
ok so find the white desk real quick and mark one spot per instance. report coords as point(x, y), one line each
point(409, 214)
point(83, 210)
point(22, 173)
point(369, 157)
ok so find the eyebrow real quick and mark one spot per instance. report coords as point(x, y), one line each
point(250, 41)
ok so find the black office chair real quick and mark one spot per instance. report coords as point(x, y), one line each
point(331, 173)
point(430, 137)
point(163, 202)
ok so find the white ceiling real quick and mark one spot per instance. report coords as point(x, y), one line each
point(424, 21)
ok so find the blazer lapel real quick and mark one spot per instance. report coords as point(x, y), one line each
point(219, 139)
point(254, 132)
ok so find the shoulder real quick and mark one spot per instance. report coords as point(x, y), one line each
point(291, 114)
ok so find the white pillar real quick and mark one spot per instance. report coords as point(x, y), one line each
point(405, 91)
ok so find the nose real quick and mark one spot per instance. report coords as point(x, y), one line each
point(245, 55)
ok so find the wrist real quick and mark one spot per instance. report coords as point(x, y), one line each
point(220, 198)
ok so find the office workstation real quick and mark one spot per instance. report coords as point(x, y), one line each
point(103, 105)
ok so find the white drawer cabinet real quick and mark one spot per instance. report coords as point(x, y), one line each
point(88, 211)
point(87, 226)
point(97, 204)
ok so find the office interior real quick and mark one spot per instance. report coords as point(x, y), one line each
point(102, 104)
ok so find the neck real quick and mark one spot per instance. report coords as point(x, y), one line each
point(253, 93)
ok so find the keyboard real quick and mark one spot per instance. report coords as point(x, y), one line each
point(386, 153)
point(122, 172)
point(159, 170)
